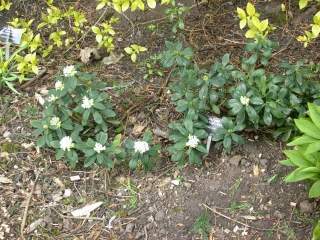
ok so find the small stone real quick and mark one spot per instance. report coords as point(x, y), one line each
point(74, 178)
point(278, 215)
point(264, 163)
point(187, 184)
point(159, 215)
point(151, 219)
point(306, 206)
point(129, 228)
point(235, 160)
point(139, 235)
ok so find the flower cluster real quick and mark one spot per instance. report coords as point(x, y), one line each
point(193, 141)
point(98, 147)
point(66, 143)
point(141, 147)
point(87, 103)
point(244, 100)
point(69, 71)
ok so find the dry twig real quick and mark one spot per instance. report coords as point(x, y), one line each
point(25, 213)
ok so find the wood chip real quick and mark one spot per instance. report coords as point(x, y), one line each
point(5, 180)
point(86, 210)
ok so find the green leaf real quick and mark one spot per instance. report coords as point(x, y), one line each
point(250, 9)
point(303, 3)
point(316, 232)
point(314, 112)
point(313, 147)
point(307, 127)
point(241, 13)
point(314, 191)
point(97, 117)
point(287, 163)
point(188, 125)
point(102, 138)
point(267, 118)
point(225, 59)
point(201, 148)
point(297, 175)
point(297, 158)
point(59, 154)
point(133, 164)
point(85, 117)
point(227, 143)
point(305, 139)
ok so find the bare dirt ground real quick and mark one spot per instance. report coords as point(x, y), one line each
point(243, 194)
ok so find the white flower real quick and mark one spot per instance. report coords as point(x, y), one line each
point(66, 143)
point(193, 141)
point(98, 147)
point(55, 121)
point(141, 147)
point(69, 71)
point(59, 85)
point(52, 98)
point(244, 100)
point(87, 102)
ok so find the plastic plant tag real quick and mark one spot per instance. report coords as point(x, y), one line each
point(11, 35)
point(214, 124)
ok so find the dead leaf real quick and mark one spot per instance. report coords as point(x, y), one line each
point(250, 217)
point(5, 180)
point(256, 170)
point(59, 182)
point(4, 155)
point(33, 226)
point(112, 59)
point(138, 129)
point(89, 54)
point(86, 210)
point(74, 178)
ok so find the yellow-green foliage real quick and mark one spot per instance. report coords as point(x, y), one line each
point(134, 51)
point(250, 18)
point(309, 36)
point(5, 5)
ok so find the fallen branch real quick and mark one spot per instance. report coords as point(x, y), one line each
point(234, 220)
point(25, 213)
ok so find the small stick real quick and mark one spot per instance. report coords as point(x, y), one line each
point(25, 213)
point(234, 220)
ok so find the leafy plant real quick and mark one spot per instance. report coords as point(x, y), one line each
point(152, 67)
point(250, 18)
point(187, 137)
point(305, 156)
point(316, 231)
point(175, 14)
point(5, 5)
point(143, 152)
point(202, 226)
point(104, 34)
point(228, 134)
point(134, 50)
point(16, 68)
point(74, 114)
point(175, 54)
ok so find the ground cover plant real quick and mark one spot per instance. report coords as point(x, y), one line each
point(86, 147)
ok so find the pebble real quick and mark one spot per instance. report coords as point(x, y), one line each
point(130, 227)
point(306, 206)
point(235, 160)
point(278, 215)
point(159, 215)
